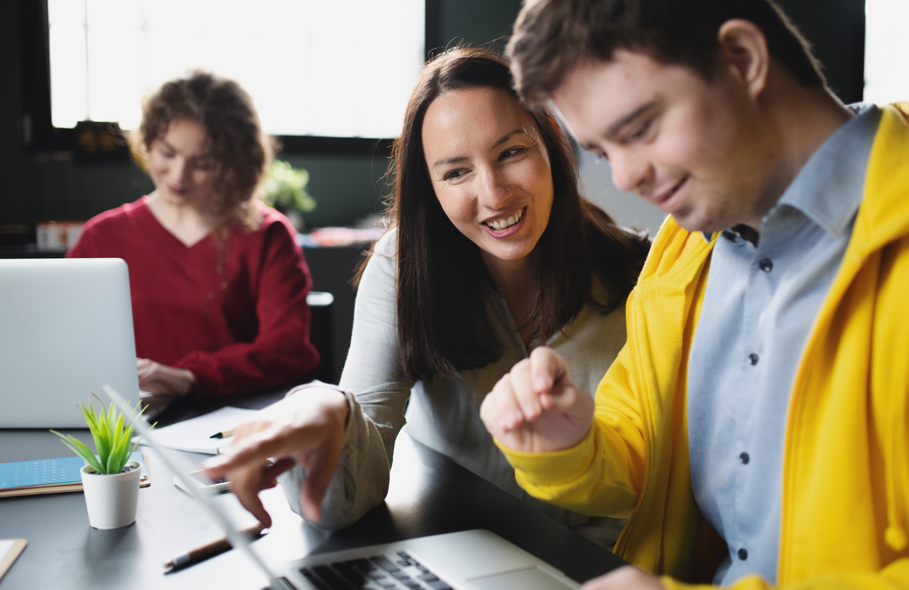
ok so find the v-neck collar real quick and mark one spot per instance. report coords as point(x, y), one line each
point(154, 225)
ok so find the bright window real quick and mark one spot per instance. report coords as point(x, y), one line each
point(341, 68)
point(886, 51)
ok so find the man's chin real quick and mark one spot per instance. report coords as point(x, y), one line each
point(689, 220)
point(696, 219)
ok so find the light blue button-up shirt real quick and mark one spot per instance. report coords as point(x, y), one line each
point(759, 308)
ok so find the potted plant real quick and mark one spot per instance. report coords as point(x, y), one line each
point(110, 479)
point(285, 190)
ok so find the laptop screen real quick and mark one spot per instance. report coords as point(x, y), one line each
point(66, 328)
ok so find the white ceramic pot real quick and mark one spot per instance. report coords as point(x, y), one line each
point(111, 500)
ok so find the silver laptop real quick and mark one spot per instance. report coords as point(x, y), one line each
point(66, 328)
point(467, 560)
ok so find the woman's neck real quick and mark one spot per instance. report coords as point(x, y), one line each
point(518, 281)
point(184, 222)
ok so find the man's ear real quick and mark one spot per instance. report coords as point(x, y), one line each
point(744, 47)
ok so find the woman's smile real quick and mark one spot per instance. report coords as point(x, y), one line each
point(505, 226)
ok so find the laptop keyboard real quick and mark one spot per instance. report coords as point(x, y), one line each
point(397, 571)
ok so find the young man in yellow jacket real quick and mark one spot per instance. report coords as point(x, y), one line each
point(764, 387)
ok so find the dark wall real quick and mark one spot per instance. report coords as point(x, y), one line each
point(40, 187)
point(836, 31)
point(13, 205)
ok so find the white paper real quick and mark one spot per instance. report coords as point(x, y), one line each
point(5, 546)
point(194, 435)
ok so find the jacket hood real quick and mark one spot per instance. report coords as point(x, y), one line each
point(884, 220)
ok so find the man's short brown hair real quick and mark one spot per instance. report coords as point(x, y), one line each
point(550, 36)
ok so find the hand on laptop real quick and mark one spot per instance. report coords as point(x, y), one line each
point(625, 578)
point(536, 408)
point(164, 381)
point(307, 428)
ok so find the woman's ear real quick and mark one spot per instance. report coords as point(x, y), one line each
point(743, 46)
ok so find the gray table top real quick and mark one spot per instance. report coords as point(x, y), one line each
point(428, 494)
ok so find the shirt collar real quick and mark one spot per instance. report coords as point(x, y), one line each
point(830, 186)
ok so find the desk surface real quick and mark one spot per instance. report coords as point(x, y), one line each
point(429, 494)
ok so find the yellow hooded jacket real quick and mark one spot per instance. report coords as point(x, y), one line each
point(845, 505)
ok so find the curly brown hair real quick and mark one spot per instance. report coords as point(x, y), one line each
point(240, 150)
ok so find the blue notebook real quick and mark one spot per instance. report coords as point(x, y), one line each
point(50, 476)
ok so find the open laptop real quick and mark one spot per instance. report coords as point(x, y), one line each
point(66, 328)
point(467, 560)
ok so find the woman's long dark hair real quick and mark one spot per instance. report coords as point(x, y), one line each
point(443, 324)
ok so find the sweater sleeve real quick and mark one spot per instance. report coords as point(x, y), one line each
point(281, 352)
point(603, 474)
point(379, 395)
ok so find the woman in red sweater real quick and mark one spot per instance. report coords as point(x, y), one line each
point(218, 282)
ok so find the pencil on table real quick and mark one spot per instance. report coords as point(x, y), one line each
point(210, 549)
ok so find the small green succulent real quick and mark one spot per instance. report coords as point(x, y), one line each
point(112, 438)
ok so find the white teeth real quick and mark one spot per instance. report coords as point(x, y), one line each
point(500, 225)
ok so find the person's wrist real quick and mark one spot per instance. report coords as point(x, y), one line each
point(337, 400)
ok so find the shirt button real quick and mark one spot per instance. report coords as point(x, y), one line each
point(744, 458)
point(765, 264)
point(753, 359)
point(743, 554)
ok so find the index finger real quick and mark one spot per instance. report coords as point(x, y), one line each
point(253, 450)
point(547, 368)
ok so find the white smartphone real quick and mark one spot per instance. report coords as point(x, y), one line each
point(203, 482)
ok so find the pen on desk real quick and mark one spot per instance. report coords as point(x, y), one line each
point(210, 549)
point(223, 434)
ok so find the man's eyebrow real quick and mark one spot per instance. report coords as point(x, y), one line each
point(500, 141)
point(617, 127)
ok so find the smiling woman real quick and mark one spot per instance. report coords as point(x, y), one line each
point(469, 160)
point(218, 283)
point(492, 252)
point(490, 173)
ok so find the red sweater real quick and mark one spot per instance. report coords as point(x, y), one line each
point(244, 332)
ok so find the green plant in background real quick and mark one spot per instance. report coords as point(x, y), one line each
point(285, 189)
point(112, 439)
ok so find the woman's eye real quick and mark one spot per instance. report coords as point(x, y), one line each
point(511, 152)
point(454, 174)
point(204, 165)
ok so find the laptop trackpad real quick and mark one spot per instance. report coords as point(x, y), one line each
point(532, 578)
